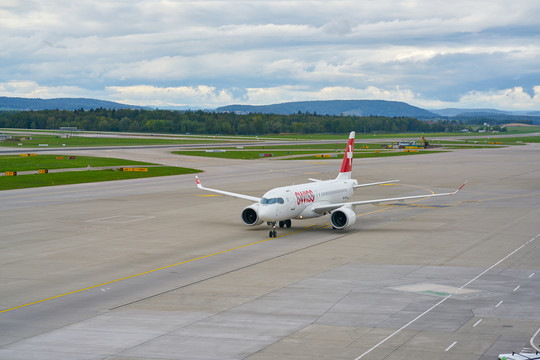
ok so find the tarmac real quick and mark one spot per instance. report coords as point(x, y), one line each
point(156, 269)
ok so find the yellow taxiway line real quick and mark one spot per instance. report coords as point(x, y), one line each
point(150, 271)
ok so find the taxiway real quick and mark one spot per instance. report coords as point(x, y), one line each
point(155, 269)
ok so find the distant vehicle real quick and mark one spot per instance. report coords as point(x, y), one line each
point(424, 144)
point(310, 200)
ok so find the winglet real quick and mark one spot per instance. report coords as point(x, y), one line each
point(199, 185)
point(461, 187)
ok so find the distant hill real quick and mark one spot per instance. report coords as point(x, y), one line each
point(336, 107)
point(472, 115)
point(450, 112)
point(17, 103)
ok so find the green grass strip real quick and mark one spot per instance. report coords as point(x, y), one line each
point(27, 163)
point(78, 177)
point(358, 155)
point(242, 154)
point(80, 141)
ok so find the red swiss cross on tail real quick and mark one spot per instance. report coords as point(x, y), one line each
point(346, 165)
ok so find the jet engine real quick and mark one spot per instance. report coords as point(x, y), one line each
point(250, 215)
point(342, 218)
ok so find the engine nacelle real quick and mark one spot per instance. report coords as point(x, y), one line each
point(343, 218)
point(250, 215)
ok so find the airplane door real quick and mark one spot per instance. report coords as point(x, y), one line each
point(291, 200)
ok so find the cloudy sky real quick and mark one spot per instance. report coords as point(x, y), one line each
point(429, 53)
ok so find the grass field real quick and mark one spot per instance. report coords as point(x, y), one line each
point(514, 140)
point(373, 154)
point(77, 177)
point(50, 162)
point(18, 163)
point(337, 146)
point(250, 154)
point(242, 154)
point(523, 129)
point(80, 141)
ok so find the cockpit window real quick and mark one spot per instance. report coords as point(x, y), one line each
point(272, 201)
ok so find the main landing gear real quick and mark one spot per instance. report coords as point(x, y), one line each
point(282, 224)
point(286, 223)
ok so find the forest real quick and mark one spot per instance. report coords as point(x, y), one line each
point(201, 122)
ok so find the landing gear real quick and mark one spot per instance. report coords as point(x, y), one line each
point(273, 232)
point(281, 224)
point(284, 223)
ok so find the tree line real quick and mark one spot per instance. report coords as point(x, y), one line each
point(202, 122)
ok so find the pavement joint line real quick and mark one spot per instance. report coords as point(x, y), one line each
point(177, 264)
point(150, 271)
point(309, 227)
point(448, 297)
point(174, 265)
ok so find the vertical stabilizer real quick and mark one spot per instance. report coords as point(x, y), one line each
point(346, 165)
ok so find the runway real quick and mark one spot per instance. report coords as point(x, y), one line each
point(153, 269)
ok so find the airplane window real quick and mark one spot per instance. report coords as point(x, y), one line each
point(272, 201)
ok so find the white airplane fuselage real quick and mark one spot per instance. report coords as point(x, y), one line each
point(298, 201)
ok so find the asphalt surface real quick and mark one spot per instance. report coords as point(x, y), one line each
point(156, 269)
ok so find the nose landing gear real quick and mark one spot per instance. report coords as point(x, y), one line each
point(282, 224)
point(272, 232)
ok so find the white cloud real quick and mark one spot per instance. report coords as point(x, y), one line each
point(435, 51)
point(204, 96)
point(31, 89)
point(213, 97)
point(510, 99)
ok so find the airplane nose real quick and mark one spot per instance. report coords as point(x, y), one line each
point(267, 213)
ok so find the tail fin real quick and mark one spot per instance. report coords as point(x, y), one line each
point(346, 165)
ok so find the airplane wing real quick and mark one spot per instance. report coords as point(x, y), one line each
point(375, 183)
point(240, 196)
point(329, 207)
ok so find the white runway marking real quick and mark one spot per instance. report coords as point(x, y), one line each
point(478, 322)
point(499, 304)
point(446, 298)
point(530, 276)
point(517, 287)
point(451, 346)
point(532, 340)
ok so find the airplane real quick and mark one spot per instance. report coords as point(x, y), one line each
point(311, 200)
